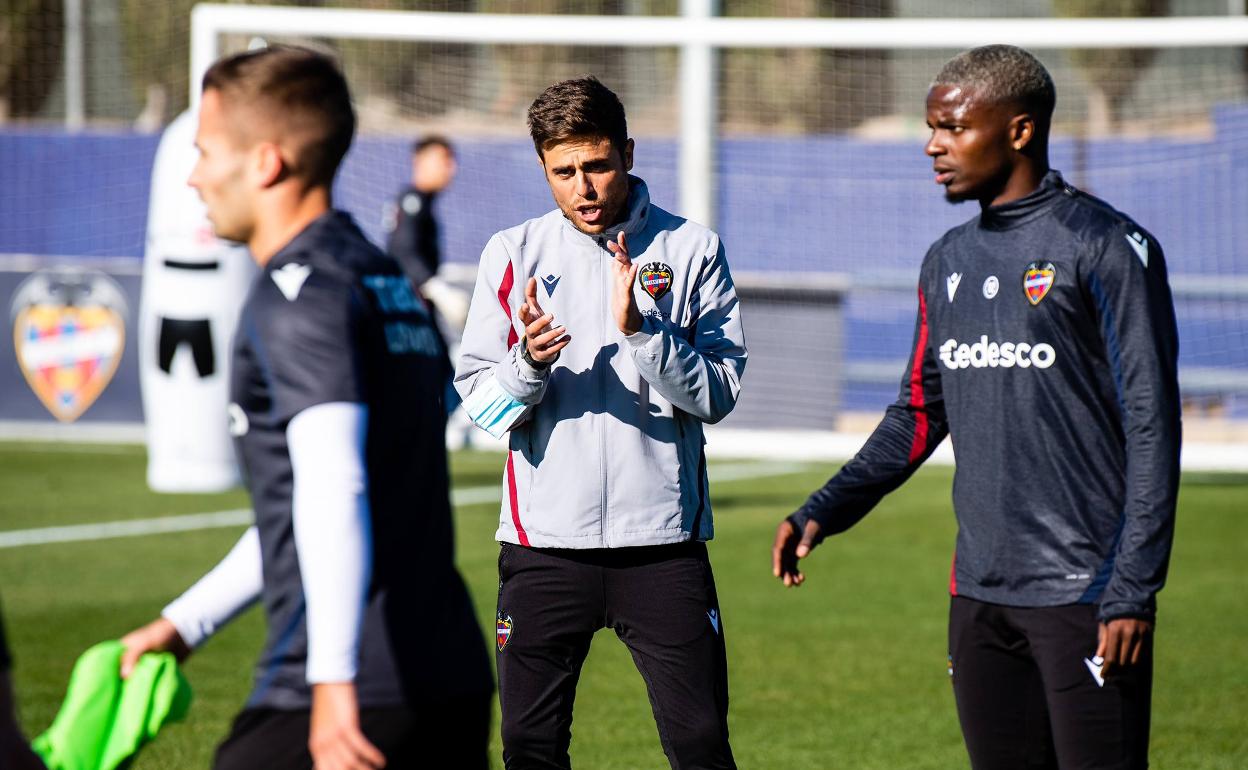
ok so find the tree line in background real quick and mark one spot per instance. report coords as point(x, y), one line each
point(138, 52)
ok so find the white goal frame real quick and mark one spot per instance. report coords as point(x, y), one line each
point(699, 35)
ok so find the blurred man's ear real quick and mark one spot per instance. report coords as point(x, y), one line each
point(267, 164)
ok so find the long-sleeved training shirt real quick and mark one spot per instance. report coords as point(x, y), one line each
point(1046, 347)
point(331, 320)
point(605, 446)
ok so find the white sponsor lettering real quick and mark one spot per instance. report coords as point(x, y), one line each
point(1007, 355)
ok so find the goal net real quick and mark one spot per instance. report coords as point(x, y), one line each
point(809, 117)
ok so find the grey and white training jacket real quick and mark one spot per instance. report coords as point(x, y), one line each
point(605, 446)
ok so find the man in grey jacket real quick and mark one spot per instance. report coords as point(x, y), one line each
point(601, 337)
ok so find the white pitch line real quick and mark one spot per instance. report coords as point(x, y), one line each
point(77, 533)
point(133, 528)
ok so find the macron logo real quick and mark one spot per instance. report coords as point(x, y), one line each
point(713, 616)
point(550, 282)
point(290, 278)
point(951, 284)
point(1095, 667)
point(1140, 245)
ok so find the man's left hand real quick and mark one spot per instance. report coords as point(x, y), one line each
point(623, 301)
point(1121, 643)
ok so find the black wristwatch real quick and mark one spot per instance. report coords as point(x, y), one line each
point(530, 360)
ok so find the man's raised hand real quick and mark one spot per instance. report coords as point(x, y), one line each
point(623, 302)
point(542, 340)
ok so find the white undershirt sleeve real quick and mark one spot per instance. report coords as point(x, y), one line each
point(229, 588)
point(333, 533)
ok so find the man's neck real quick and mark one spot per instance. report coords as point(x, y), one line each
point(280, 220)
point(1025, 179)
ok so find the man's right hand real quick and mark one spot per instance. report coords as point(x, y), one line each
point(544, 341)
point(335, 739)
point(157, 636)
point(790, 546)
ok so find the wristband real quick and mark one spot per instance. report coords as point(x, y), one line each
point(530, 360)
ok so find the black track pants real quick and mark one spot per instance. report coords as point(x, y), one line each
point(1027, 699)
point(659, 600)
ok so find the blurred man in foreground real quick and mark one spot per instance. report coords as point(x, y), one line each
point(1046, 347)
point(15, 753)
point(373, 656)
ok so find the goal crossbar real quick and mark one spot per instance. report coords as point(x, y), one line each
point(720, 32)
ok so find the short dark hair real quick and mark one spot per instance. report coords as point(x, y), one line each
point(433, 140)
point(578, 107)
point(301, 93)
point(1006, 74)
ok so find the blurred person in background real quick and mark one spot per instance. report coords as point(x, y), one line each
point(373, 656)
point(414, 236)
point(1046, 348)
point(415, 243)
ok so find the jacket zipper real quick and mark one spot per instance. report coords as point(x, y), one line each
point(602, 399)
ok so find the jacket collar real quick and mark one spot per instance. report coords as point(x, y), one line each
point(1028, 207)
point(635, 222)
point(307, 239)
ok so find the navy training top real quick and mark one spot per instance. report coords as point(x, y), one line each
point(1046, 346)
point(333, 319)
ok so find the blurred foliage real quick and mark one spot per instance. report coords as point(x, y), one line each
point(157, 41)
point(1111, 72)
point(526, 70)
point(803, 90)
point(31, 41)
point(404, 72)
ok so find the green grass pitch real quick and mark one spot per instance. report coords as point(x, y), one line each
point(846, 672)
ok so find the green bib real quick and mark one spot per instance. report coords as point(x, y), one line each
point(105, 720)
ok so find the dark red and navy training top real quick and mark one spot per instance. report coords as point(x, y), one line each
point(1046, 347)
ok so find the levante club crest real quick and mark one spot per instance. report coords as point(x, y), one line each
point(1037, 280)
point(656, 279)
point(69, 331)
point(502, 628)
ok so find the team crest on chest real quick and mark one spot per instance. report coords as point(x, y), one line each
point(1038, 278)
point(656, 279)
point(502, 630)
